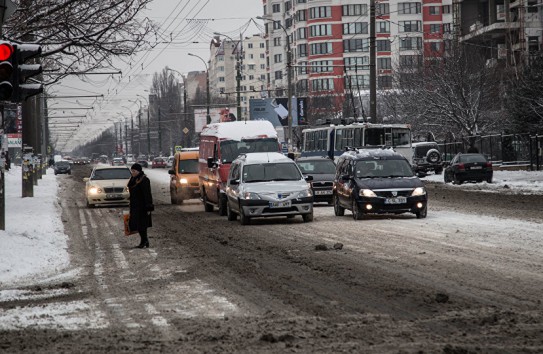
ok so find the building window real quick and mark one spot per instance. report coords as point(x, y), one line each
point(277, 42)
point(302, 86)
point(320, 12)
point(322, 66)
point(410, 61)
point(410, 43)
point(409, 26)
point(405, 8)
point(357, 63)
point(320, 30)
point(322, 85)
point(276, 25)
point(301, 15)
point(435, 28)
point(383, 45)
point(355, 28)
point(383, 27)
point(321, 48)
point(250, 45)
point(301, 1)
point(382, 9)
point(276, 8)
point(354, 10)
point(262, 56)
point(262, 66)
point(434, 10)
point(446, 28)
point(277, 58)
point(384, 82)
point(278, 75)
point(435, 46)
point(446, 9)
point(384, 63)
point(251, 66)
point(360, 81)
point(262, 45)
point(356, 45)
point(288, 6)
point(302, 33)
point(302, 50)
point(532, 6)
point(221, 79)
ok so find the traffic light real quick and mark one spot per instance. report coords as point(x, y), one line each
point(22, 71)
point(6, 70)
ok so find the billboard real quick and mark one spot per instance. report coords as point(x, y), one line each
point(224, 114)
point(275, 110)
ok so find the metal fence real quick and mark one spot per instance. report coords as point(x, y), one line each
point(501, 149)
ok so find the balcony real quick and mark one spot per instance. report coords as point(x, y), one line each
point(479, 33)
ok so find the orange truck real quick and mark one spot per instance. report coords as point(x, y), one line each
point(220, 144)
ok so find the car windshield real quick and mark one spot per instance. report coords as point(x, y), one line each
point(111, 173)
point(383, 168)
point(271, 172)
point(422, 150)
point(323, 166)
point(188, 166)
point(472, 158)
point(62, 163)
point(231, 149)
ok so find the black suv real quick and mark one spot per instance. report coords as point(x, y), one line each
point(375, 181)
point(426, 157)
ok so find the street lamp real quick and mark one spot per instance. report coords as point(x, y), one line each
point(131, 132)
point(184, 104)
point(238, 70)
point(148, 127)
point(208, 118)
point(289, 79)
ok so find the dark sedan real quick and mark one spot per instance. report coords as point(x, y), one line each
point(322, 169)
point(62, 166)
point(468, 168)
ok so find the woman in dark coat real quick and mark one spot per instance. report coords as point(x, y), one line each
point(141, 203)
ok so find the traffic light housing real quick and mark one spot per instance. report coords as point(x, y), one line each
point(6, 70)
point(22, 72)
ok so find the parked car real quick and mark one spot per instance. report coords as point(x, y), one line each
point(322, 169)
point(62, 166)
point(107, 186)
point(118, 161)
point(169, 162)
point(267, 184)
point(143, 163)
point(184, 177)
point(468, 168)
point(427, 157)
point(375, 181)
point(158, 162)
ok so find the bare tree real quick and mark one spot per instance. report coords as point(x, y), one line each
point(455, 93)
point(80, 35)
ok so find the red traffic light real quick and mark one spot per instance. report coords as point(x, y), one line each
point(6, 50)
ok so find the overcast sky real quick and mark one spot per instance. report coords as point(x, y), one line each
point(183, 22)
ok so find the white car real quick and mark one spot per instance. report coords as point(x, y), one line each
point(169, 162)
point(107, 186)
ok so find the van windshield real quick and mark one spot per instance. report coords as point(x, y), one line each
point(231, 149)
point(188, 166)
point(267, 172)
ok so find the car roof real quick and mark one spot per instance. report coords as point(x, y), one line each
point(313, 158)
point(108, 167)
point(369, 154)
point(263, 157)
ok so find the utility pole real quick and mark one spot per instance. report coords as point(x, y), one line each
point(289, 89)
point(159, 133)
point(373, 71)
point(239, 63)
point(148, 132)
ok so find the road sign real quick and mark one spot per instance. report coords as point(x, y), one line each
point(178, 148)
point(185, 130)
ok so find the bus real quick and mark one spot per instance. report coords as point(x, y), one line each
point(332, 140)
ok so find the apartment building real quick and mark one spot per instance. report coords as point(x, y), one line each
point(226, 54)
point(330, 43)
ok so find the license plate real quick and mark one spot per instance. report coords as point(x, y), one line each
point(397, 200)
point(477, 168)
point(323, 192)
point(284, 204)
point(113, 196)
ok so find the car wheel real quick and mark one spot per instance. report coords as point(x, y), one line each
point(357, 213)
point(230, 215)
point(207, 207)
point(338, 209)
point(489, 180)
point(433, 156)
point(455, 179)
point(308, 217)
point(173, 198)
point(179, 197)
point(222, 204)
point(243, 219)
point(422, 214)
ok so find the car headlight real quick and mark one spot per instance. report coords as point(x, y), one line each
point(251, 195)
point(367, 193)
point(305, 193)
point(418, 191)
point(183, 181)
point(95, 190)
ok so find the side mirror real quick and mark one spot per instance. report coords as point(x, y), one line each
point(171, 172)
point(86, 179)
point(308, 178)
point(345, 177)
point(211, 163)
point(234, 182)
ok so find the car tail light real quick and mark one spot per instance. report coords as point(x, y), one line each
point(488, 165)
point(461, 166)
